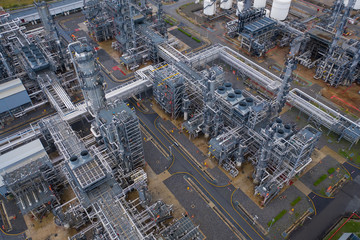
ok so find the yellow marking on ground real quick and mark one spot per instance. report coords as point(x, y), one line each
point(164, 175)
point(216, 210)
point(207, 182)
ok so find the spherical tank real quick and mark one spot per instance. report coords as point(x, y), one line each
point(259, 3)
point(240, 7)
point(209, 7)
point(226, 4)
point(280, 9)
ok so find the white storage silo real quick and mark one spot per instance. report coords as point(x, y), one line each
point(240, 7)
point(225, 4)
point(267, 13)
point(280, 9)
point(259, 3)
point(209, 7)
point(357, 5)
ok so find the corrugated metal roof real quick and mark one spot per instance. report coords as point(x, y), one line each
point(10, 88)
point(12, 94)
point(21, 156)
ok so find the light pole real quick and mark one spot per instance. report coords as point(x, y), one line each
point(272, 221)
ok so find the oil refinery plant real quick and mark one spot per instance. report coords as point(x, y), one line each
point(122, 123)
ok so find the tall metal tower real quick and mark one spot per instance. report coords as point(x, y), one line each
point(287, 75)
point(88, 72)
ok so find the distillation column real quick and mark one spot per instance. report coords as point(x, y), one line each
point(91, 81)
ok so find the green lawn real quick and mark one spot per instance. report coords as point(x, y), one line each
point(352, 226)
point(346, 154)
point(293, 203)
point(6, 4)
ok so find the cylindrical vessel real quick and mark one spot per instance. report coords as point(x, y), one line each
point(231, 97)
point(357, 5)
point(280, 9)
point(228, 86)
point(225, 4)
point(259, 3)
point(267, 13)
point(209, 7)
point(240, 7)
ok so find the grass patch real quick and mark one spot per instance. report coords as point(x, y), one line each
point(346, 154)
point(11, 4)
point(293, 203)
point(277, 218)
point(172, 19)
point(197, 40)
point(167, 21)
point(320, 179)
point(323, 192)
point(184, 32)
point(352, 226)
point(331, 170)
point(185, 5)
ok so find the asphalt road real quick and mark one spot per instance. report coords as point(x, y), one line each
point(329, 210)
point(220, 195)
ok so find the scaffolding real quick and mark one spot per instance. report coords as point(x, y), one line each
point(168, 89)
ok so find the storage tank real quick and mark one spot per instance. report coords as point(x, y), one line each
point(356, 4)
point(240, 7)
point(226, 4)
point(280, 9)
point(209, 7)
point(259, 3)
point(267, 13)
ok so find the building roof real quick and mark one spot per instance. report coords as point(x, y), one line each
point(21, 156)
point(12, 94)
point(259, 24)
point(10, 88)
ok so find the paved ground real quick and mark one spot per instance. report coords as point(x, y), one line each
point(329, 210)
point(186, 39)
point(16, 219)
point(183, 165)
point(320, 169)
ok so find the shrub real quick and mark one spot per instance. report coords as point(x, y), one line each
point(167, 21)
point(277, 218)
point(197, 40)
point(184, 32)
point(293, 203)
point(331, 170)
point(320, 179)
